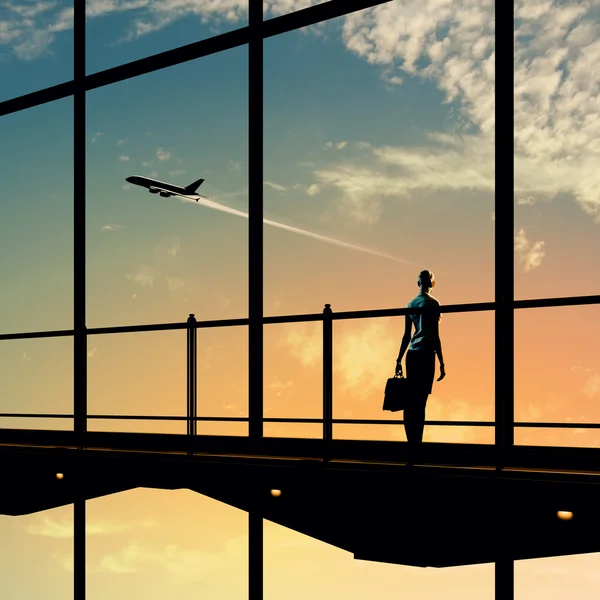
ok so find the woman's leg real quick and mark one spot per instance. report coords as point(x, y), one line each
point(418, 373)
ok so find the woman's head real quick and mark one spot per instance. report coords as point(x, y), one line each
point(426, 280)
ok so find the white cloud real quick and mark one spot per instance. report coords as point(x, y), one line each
point(184, 564)
point(124, 158)
point(280, 386)
point(145, 277)
point(49, 527)
point(531, 255)
point(336, 145)
point(592, 386)
point(170, 247)
point(275, 186)
point(147, 163)
point(526, 200)
point(121, 142)
point(175, 285)
point(363, 357)
point(111, 227)
point(163, 155)
point(177, 172)
point(95, 137)
point(125, 186)
point(313, 189)
point(557, 117)
point(305, 342)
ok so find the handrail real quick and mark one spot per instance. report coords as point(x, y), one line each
point(303, 318)
point(316, 421)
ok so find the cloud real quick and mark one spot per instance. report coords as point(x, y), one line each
point(163, 155)
point(453, 162)
point(592, 386)
point(145, 277)
point(531, 255)
point(124, 158)
point(313, 189)
point(49, 527)
point(147, 163)
point(362, 357)
point(336, 145)
point(526, 200)
point(233, 165)
point(111, 227)
point(280, 386)
point(170, 248)
point(175, 285)
point(92, 353)
point(177, 172)
point(275, 186)
point(305, 342)
point(451, 43)
point(95, 137)
point(125, 186)
point(185, 564)
point(121, 142)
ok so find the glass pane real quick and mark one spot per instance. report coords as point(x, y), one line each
point(364, 357)
point(558, 577)
point(297, 567)
point(157, 544)
point(37, 555)
point(276, 8)
point(36, 218)
point(153, 258)
point(36, 46)
point(222, 379)
point(120, 33)
point(37, 378)
point(557, 374)
point(557, 206)
point(293, 378)
point(384, 164)
point(138, 374)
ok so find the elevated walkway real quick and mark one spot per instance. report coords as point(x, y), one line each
point(459, 506)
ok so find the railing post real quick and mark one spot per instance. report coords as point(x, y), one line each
point(327, 379)
point(192, 366)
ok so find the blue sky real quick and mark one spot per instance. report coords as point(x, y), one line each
point(371, 138)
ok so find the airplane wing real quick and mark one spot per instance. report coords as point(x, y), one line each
point(165, 193)
point(195, 197)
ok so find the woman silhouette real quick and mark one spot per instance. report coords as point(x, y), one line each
point(420, 358)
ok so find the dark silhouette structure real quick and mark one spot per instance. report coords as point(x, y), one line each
point(422, 347)
point(500, 500)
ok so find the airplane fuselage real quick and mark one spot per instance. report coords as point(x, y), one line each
point(154, 183)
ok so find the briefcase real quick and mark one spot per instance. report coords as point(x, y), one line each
point(396, 393)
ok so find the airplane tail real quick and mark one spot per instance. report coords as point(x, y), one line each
point(191, 189)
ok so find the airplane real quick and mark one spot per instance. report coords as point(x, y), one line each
point(167, 189)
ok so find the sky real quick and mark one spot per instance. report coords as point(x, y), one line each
point(378, 162)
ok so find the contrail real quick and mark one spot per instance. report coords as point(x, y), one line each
point(316, 236)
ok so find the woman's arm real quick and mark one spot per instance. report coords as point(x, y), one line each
point(438, 351)
point(405, 342)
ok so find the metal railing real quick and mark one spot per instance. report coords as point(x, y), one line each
point(327, 316)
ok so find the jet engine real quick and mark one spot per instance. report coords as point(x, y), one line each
point(153, 190)
point(165, 194)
